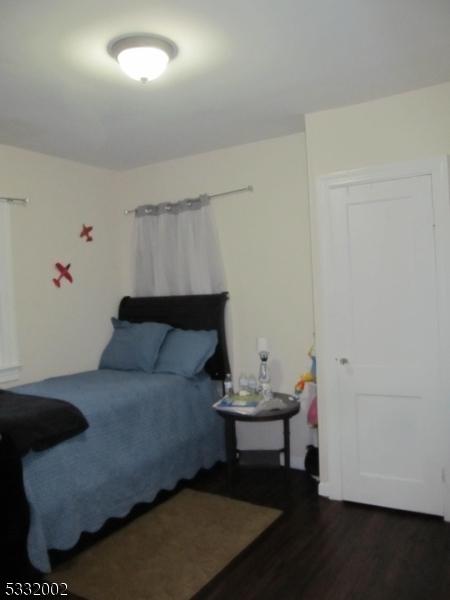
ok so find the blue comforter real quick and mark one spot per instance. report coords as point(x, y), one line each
point(146, 433)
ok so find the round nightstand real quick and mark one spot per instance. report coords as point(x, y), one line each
point(259, 457)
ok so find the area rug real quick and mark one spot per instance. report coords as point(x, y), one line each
point(169, 553)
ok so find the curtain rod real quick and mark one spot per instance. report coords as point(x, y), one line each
point(11, 200)
point(248, 188)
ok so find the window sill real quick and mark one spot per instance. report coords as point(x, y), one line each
point(8, 374)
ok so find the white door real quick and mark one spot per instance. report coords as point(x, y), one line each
point(386, 343)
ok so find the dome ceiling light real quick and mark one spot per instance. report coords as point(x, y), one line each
point(143, 57)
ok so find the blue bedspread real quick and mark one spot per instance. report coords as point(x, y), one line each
point(146, 433)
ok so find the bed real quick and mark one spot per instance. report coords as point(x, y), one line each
point(147, 431)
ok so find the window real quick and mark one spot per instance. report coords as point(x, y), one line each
point(9, 362)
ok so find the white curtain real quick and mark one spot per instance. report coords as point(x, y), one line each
point(177, 250)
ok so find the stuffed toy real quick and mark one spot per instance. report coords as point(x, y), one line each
point(306, 386)
point(309, 376)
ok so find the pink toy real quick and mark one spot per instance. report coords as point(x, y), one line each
point(312, 413)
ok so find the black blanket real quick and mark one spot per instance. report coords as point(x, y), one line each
point(35, 423)
point(26, 423)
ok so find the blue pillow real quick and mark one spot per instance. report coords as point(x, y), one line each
point(133, 346)
point(185, 352)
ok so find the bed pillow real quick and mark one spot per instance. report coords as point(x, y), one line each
point(185, 352)
point(133, 346)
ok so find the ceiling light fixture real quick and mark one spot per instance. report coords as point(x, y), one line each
point(143, 57)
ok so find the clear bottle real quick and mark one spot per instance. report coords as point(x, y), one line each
point(243, 383)
point(252, 384)
point(228, 385)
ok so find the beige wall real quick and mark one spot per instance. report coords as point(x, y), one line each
point(61, 330)
point(398, 128)
point(265, 242)
point(264, 235)
point(264, 238)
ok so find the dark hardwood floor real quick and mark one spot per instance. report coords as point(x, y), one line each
point(318, 549)
point(323, 550)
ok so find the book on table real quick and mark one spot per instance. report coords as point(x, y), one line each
point(244, 405)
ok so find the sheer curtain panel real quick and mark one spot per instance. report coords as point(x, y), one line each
point(177, 250)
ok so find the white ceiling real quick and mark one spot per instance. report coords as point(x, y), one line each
point(246, 70)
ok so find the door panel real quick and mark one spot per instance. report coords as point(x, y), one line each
point(385, 282)
point(396, 417)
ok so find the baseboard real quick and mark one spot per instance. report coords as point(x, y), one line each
point(324, 489)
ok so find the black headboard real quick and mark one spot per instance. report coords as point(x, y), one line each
point(205, 311)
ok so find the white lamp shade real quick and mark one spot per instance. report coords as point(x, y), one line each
point(262, 345)
point(143, 64)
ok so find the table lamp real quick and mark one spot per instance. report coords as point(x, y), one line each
point(262, 347)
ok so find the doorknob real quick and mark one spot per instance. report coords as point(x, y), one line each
point(343, 361)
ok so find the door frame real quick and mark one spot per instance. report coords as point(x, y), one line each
point(326, 350)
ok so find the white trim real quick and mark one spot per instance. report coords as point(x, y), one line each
point(328, 381)
point(438, 169)
point(324, 489)
point(428, 166)
point(441, 193)
point(9, 359)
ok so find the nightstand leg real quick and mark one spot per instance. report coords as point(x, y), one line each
point(230, 445)
point(287, 455)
